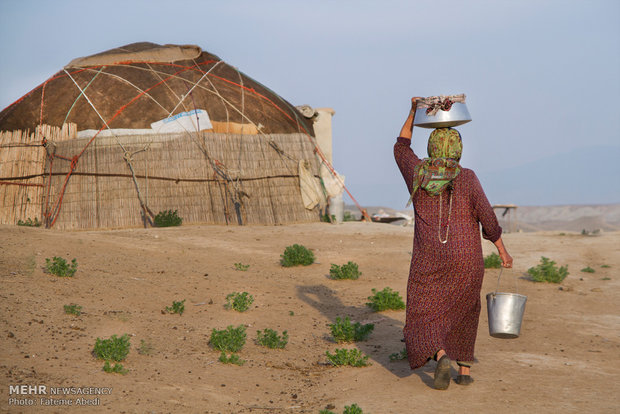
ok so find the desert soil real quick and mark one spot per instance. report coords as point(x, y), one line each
point(566, 359)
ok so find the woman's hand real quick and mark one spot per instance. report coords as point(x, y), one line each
point(414, 103)
point(503, 253)
point(406, 130)
point(506, 259)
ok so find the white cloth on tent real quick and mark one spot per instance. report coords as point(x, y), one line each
point(333, 186)
point(311, 193)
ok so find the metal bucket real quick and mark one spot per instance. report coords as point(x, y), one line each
point(457, 115)
point(505, 314)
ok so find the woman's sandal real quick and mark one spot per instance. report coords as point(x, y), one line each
point(463, 379)
point(442, 373)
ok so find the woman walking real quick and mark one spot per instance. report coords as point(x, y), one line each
point(447, 267)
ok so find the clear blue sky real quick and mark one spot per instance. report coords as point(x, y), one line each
point(542, 77)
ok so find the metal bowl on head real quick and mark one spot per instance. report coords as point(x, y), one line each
point(457, 115)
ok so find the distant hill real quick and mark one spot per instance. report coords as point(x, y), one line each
point(588, 175)
point(539, 218)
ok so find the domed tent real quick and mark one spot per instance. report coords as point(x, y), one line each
point(114, 138)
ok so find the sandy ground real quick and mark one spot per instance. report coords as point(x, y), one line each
point(566, 359)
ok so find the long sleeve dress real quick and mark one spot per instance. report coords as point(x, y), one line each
point(443, 290)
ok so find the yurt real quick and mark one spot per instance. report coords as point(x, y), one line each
point(115, 138)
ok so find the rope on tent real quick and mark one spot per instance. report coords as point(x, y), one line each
point(193, 87)
point(21, 184)
point(81, 93)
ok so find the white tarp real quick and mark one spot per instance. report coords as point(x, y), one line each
point(185, 121)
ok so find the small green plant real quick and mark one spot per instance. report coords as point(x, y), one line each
point(59, 267)
point(229, 339)
point(239, 301)
point(492, 261)
point(241, 267)
point(605, 266)
point(145, 348)
point(291, 313)
point(271, 339)
point(351, 357)
point(232, 359)
point(73, 309)
point(605, 278)
point(296, 255)
point(588, 269)
point(345, 331)
point(177, 307)
point(346, 271)
point(398, 356)
point(112, 349)
point(547, 271)
point(167, 218)
point(385, 299)
point(117, 368)
point(353, 409)
point(29, 222)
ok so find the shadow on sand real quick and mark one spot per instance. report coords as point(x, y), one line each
point(383, 341)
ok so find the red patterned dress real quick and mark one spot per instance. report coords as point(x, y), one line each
point(443, 291)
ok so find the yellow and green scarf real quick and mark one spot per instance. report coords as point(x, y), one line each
point(433, 174)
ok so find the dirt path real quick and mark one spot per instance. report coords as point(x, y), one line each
point(566, 359)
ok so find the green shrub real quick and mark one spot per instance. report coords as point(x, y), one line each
point(241, 267)
point(229, 339)
point(117, 368)
point(346, 271)
point(588, 269)
point(113, 349)
point(345, 331)
point(232, 359)
point(385, 299)
point(492, 261)
point(351, 357)
point(605, 266)
point(167, 218)
point(29, 222)
point(398, 356)
point(73, 309)
point(239, 301)
point(547, 271)
point(271, 339)
point(59, 267)
point(177, 307)
point(296, 255)
point(353, 409)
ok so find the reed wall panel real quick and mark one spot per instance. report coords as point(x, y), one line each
point(202, 176)
point(22, 163)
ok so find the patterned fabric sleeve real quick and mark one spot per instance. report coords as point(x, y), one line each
point(483, 211)
point(406, 160)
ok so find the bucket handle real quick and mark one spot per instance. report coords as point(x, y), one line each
point(500, 275)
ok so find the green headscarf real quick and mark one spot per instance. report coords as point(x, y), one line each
point(435, 173)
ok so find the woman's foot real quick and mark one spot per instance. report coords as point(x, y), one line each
point(442, 372)
point(463, 379)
